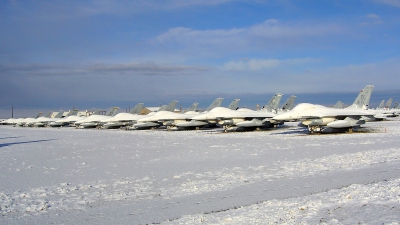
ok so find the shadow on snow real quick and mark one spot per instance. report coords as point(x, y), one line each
point(23, 142)
point(10, 137)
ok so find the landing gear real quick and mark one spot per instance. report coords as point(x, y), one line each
point(227, 127)
point(171, 127)
point(314, 129)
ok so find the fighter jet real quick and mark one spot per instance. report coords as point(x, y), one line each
point(9, 121)
point(22, 121)
point(153, 123)
point(158, 119)
point(187, 122)
point(319, 118)
point(384, 111)
point(123, 119)
point(44, 121)
point(129, 119)
point(228, 118)
point(66, 120)
point(93, 121)
point(70, 120)
point(265, 119)
point(171, 119)
point(31, 122)
point(18, 121)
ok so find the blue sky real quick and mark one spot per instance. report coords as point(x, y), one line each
point(58, 54)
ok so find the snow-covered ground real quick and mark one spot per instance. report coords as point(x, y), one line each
point(70, 176)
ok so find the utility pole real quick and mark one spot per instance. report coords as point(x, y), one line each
point(12, 111)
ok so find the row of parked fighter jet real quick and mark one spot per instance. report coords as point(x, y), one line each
point(316, 117)
point(165, 116)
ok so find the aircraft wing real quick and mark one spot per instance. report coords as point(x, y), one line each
point(332, 112)
point(246, 114)
point(311, 111)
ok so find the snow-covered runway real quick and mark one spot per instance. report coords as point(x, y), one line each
point(69, 176)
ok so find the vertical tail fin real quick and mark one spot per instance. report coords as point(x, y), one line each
point(396, 105)
point(216, 103)
point(113, 111)
point(162, 108)
point(59, 114)
point(48, 114)
point(381, 105)
point(362, 100)
point(338, 105)
point(137, 108)
point(289, 104)
point(73, 112)
point(39, 115)
point(97, 112)
point(388, 103)
point(234, 105)
point(193, 107)
point(273, 104)
point(171, 107)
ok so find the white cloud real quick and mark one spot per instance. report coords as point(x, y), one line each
point(373, 16)
point(189, 36)
point(238, 65)
point(265, 64)
point(271, 34)
point(253, 64)
point(372, 19)
point(100, 68)
point(274, 29)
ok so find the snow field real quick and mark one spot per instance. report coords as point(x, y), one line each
point(54, 175)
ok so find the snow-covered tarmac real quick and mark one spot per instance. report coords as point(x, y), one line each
point(70, 176)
